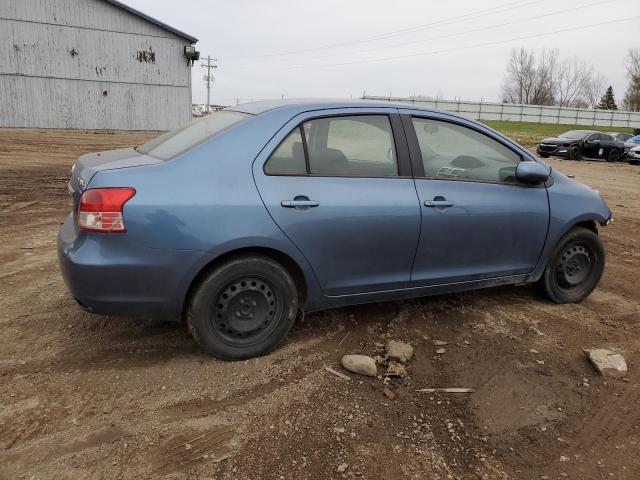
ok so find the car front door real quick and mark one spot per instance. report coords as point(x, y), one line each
point(339, 186)
point(478, 221)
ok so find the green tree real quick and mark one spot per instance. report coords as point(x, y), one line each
point(608, 101)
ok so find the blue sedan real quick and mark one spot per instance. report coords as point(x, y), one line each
point(247, 216)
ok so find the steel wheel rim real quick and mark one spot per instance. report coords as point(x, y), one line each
point(574, 267)
point(245, 311)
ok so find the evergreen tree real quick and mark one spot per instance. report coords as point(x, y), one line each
point(607, 102)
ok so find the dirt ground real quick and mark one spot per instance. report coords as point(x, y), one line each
point(83, 396)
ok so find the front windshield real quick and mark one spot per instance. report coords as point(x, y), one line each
point(574, 134)
point(176, 141)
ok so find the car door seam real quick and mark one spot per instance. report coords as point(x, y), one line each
point(415, 187)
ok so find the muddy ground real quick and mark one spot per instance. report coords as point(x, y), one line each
point(89, 397)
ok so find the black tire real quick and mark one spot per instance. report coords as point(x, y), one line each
point(614, 155)
point(575, 267)
point(575, 153)
point(243, 309)
point(544, 155)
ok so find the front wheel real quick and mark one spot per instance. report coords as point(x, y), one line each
point(575, 267)
point(243, 309)
point(575, 153)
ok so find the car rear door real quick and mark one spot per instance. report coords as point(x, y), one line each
point(478, 221)
point(338, 183)
point(592, 146)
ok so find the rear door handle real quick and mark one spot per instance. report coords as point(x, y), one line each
point(299, 203)
point(438, 203)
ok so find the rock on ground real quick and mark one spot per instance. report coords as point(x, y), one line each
point(361, 364)
point(399, 351)
point(608, 363)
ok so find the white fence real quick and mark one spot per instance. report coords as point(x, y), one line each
point(516, 112)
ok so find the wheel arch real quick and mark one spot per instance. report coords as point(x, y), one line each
point(590, 222)
point(282, 258)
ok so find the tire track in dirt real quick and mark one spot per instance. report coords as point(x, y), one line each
point(202, 407)
point(177, 454)
point(617, 415)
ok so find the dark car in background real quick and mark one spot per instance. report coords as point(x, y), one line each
point(629, 142)
point(576, 144)
point(623, 137)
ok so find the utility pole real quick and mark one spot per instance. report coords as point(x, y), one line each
point(208, 77)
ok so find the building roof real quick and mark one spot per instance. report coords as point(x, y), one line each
point(153, 20)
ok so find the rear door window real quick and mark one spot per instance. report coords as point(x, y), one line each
point(346, 146)
point(288, 158)
point(359, 145)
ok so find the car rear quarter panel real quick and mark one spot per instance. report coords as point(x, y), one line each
point(205, 200)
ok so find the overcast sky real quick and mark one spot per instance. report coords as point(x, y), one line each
point(267, 49)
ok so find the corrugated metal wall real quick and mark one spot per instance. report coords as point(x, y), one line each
point(528, 113)
point(89, 64)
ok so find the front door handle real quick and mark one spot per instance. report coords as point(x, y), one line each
point(299, 202)
point(438, 203)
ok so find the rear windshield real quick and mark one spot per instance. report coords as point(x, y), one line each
point(177, 141)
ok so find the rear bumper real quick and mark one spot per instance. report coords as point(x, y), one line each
point(109, 274)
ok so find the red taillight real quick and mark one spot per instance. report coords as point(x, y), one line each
point(100, 209)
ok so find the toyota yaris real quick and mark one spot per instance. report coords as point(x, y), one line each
point(241, 219)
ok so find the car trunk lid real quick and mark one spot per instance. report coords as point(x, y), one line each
point(90, 164)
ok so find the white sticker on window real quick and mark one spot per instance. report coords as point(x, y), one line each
point(600, 152)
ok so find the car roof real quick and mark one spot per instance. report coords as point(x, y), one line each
point(306, 104)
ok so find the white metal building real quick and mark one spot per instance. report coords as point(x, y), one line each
point(94, 64)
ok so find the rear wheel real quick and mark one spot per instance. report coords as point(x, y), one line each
point(243, 309)
point(575, 267)
point(613, 156)
point(544, 155)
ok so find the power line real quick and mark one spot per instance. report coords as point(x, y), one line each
point(467, 47)
point(449, 35)
point(446, 21)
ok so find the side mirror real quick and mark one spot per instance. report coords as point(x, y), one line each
point(532, 172)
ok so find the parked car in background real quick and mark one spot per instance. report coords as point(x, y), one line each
point(623, 137)
point(633, 155)
point(576, 144)
point(243, 218)
point(626, 139)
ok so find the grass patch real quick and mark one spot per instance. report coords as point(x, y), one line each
point(529, 133)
